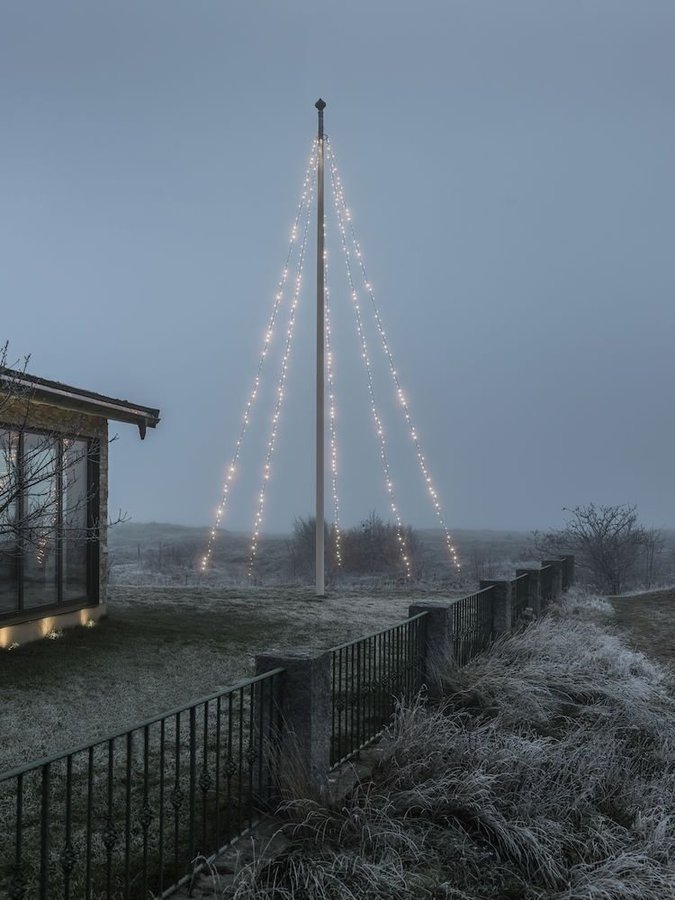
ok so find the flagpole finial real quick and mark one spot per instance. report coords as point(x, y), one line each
point(320, 105)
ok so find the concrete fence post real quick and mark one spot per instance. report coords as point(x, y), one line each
point(438, 642)
point(556, 576)
point(501, 605)
point(568, 572)
point(533, 588)
point(304, 700)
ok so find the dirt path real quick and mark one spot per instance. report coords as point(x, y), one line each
point(649, 622)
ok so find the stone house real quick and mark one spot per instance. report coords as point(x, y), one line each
point(54, 502)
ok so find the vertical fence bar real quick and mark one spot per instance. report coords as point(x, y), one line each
point(44, 832)
point(67, 854)
point(127, 821)
point(162, 761)
point(18, 878)
point(192, 799)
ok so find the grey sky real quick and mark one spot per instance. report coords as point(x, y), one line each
point(510, 170)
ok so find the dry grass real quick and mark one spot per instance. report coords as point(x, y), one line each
point(548, 772)
point(649, 621)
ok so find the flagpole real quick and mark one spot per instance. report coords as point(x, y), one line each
point(320, 365)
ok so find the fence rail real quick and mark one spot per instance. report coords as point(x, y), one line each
point(368, 676)
point(126, 815)
point(472, 624)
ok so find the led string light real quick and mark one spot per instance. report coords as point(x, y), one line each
point(331, 420)
point(303, 206)
point(424, 469)
point(400, 534)
point(271, 443)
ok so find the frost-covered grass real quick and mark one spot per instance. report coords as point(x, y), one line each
point(160, 648)
point(549, 771)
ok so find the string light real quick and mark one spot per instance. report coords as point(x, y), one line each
point(331, 420)
point(276, 415)
point(339, 210)
point(345, 214)
point(304, 205)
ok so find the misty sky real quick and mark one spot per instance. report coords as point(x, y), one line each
point(511, 171)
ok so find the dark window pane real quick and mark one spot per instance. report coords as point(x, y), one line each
point(75, 500)
point(8, 508)
point(39, 526)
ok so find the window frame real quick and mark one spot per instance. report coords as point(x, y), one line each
point(93, 507)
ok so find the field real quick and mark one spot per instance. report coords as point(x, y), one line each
point(649, 622)
point(162, 647)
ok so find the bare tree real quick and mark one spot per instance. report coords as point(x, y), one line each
point(608, 542)
point(47, 485)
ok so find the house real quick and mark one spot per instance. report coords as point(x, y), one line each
point(53, 502)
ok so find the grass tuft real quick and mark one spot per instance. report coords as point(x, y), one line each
point(548, 771)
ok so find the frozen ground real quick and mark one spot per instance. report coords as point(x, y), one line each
point(163, 647)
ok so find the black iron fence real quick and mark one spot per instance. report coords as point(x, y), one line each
point(472, 624)
point(124, 817)
point(546, 576)
point(520, 597)
point(368, 676)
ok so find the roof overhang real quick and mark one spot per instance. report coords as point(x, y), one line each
point(65, 396)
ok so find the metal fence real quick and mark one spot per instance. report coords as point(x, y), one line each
point(472, 624)
point(368, 676)
point(546, 575)
point(519, 597)
point(124, 817)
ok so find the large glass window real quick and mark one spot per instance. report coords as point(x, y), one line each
point(9, 573)
point(75, 510)
point(48, 502)
point(40, 520)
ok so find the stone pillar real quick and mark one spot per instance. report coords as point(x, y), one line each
point(501, 605)
point(568, 572)
point(533, 588)
point(556, 570)
point(304, 700)
point(438, 642)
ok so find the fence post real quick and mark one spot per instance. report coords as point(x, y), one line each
point(438, 643)
point(304, 700)
point(568, 572)
point(501, 605)
point(533, 588)
point(556, 576)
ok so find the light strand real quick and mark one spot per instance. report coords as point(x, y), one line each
point(331, 420)
point(414, 434)
point(379, 429)
point(303, 205)
point(283, 373)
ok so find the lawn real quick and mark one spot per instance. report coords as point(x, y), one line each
point(649, 621)
point(160, 648)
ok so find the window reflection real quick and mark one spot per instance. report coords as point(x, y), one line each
point(75, 497)
point(39, 530)
point(9, 575)
point(46, 504)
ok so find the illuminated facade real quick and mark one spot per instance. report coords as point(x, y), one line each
point(53, 502)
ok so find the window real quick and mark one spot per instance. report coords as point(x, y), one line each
point(9, 576)
point(48, 512)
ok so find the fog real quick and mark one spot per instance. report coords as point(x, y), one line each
point(509, 167)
